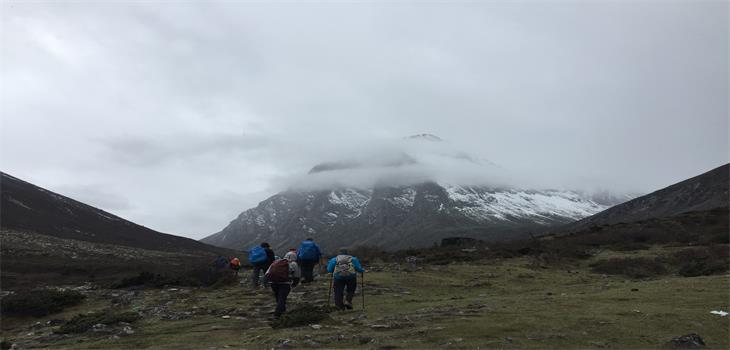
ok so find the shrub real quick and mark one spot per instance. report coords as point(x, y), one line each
point(701, 261)
point(83, 322)
point(202, 277)
point(631, 267)
point(630, 246)
point(40, 302)
point(302, 316)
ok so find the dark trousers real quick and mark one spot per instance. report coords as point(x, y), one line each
point(340, 286)
point(257, 269)
point(281, 292)
point(308, 270)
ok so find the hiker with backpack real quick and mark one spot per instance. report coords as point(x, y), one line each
point(261, 258)
point(284, 274)
point(235, 265)
point(308, 255)
point(344, 268)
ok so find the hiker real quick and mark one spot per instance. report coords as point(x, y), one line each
point(220, 262)
point(235, 265)
point(344, 268)
point(261, 258)
point(308, 255)
point(284, 274)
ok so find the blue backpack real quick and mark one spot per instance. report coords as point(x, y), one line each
point(257, 255)
point(308, 250)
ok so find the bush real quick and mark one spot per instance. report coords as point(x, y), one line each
point(302, 316)
point(701, 261)
point(202, 277)
point(83, 322)
point(40, 302)
point(630, 246)
point(631, 267)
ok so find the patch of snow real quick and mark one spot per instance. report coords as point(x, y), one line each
point(489, 204)
point(112, 218)
point(405, 200)
point(13, 200)
point(719, 312)
point(353, 201)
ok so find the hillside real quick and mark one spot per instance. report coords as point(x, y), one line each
point(701, 193)
point(48, 238)
point(29, 208)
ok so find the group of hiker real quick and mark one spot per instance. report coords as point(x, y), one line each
point(297, 266)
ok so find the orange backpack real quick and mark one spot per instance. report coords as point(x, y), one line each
point(235, 263)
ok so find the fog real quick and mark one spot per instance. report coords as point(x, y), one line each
point(179, 116)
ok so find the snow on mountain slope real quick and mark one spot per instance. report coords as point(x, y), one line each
point(385, 216)
point(484, 204)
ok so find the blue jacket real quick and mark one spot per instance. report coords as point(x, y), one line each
point(355, 263)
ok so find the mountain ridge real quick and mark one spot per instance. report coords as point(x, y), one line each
point(30, 208)
point(706, 191)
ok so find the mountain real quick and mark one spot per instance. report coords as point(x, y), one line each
point(401, 217)
point(409, 195)
point(29, 208)
point(700, 193)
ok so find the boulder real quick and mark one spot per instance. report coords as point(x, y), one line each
point(688, 341)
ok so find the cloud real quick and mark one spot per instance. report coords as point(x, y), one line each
point(169, 105)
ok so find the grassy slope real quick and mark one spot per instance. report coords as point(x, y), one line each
point(501, 304)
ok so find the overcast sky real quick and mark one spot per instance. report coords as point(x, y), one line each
point(179, 116)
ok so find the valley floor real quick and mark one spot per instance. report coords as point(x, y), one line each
point(498, 304)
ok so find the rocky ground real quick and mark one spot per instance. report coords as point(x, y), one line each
point(503, 303)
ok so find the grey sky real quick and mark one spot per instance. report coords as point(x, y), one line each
point(179, 116)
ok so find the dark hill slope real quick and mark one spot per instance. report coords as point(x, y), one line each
point(700, 193)
point(29, 208)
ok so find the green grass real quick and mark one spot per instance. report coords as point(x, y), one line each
point(497, 303)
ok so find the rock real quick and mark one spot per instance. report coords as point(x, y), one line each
point(225, 317)
point(509, 339)
point(312, 344)
point(364, 339)
point(380, 326)
point(127, 330)
point(316, 326)
point(688, 341)
point(54, 322)
point(287, 343)
point(598, 344)
point(99, 327)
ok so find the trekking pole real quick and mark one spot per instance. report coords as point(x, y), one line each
point(329, 291)
point(362, 290)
